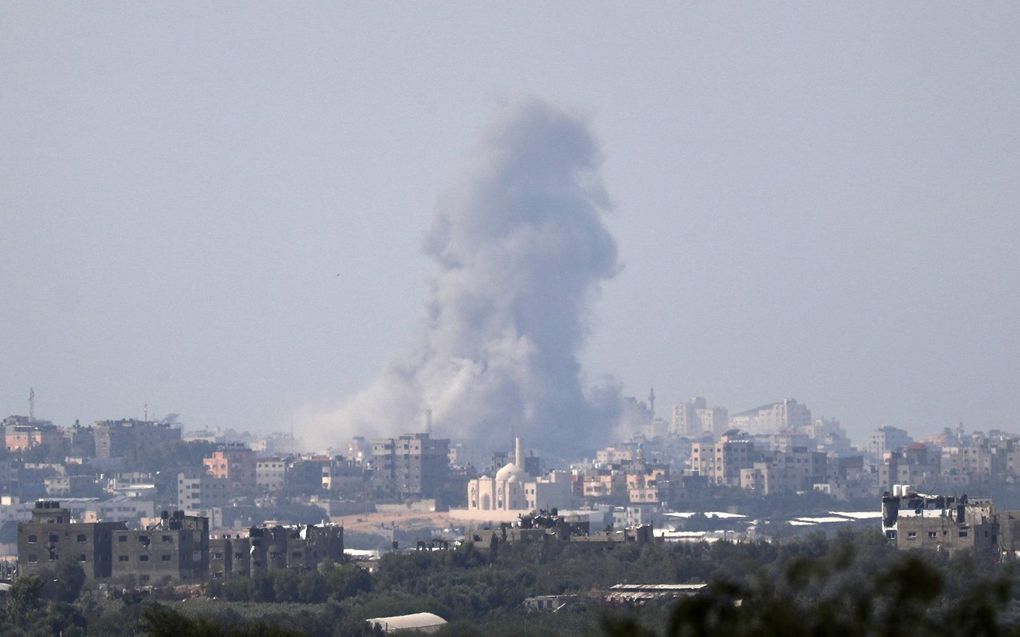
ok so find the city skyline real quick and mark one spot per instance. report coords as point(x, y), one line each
point(815, 203)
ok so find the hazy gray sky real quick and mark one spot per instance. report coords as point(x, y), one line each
point(811, 200)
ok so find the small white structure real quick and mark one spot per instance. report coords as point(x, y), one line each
point(415, 622)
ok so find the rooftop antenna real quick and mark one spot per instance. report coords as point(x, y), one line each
point(146, 408)
point(31, 403)
point(428, 421)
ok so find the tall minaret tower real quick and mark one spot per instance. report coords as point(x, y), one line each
point(651, 402)
point(518, 452)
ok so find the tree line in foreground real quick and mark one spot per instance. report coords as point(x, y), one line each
point(848, 584)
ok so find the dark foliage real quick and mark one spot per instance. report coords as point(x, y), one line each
point(849, 584)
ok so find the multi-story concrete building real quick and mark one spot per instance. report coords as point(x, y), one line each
point(785, 472)
point(50, 536)
point(68, 486)
point(201, 492)
point(885, 439)
point(648, 486)
point(124, 438)
point(298, 547)
point(914, 464)
point(941, 523)
point(270, 474)
point(174, 550)
point(722, 461)
point(605, 483)
point(828, 436)
point(22, 433)
point(81, 440)
point(616, 455)
point(235, 463)
point(345, 475)
point(695, 418)
point(411, 466)
point(358, 450)
point(778, 416)
point(545, 493)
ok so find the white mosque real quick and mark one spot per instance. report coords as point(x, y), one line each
point(514, 489)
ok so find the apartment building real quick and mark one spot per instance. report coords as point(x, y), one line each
point(411, 466)
point(696, 418)
point(774, 417)
point(722, 461)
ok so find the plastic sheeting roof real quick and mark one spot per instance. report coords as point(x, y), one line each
point(408, 622)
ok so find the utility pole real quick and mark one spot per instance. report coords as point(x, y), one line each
point(31, 403)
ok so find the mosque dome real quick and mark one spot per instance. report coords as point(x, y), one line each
point(511, 470)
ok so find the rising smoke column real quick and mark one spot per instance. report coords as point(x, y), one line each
point(519, 249)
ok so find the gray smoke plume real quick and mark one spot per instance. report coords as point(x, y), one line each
point(520, 248)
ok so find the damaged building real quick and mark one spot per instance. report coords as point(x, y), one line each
point(551, 526)
point(175, 549)
point(272, 548)
point(941, 522)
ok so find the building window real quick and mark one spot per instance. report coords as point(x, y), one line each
point(33, 558)
point(122, 538)
point(81, 538)
point(81, 558)
point(168, 538)
point(143, 558)
point(122, 558)
point(32, 539)
point(54, 537)
point(932, 533)
point(165, 558)
point(963, 534)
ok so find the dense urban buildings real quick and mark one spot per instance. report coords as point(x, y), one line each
point(176, 548)
point(514, 488)
point(695, 418)
point(126, 438)
point(268, 506)
point(413, 465)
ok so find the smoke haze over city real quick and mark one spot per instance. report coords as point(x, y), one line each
point(519, 250)
point(220, 213)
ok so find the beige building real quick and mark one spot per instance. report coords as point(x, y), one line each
point(886, 439)
point(514, 489)
point(615, 455)
point(695, 418)
point(772, 418)
point(722, 461)
point(785, 472)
